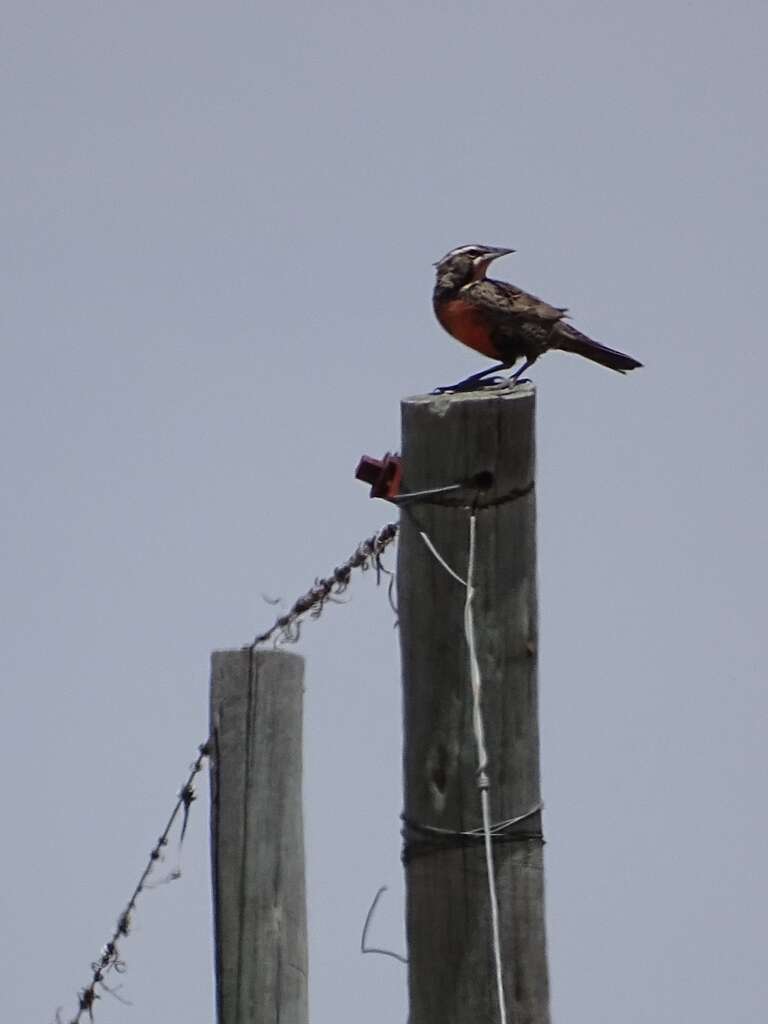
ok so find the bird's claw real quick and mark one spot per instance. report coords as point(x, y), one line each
point(479, 385)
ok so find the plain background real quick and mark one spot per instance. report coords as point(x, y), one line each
point(218, 224)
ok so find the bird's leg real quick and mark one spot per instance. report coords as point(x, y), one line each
point(515, 378)
point(468, 384)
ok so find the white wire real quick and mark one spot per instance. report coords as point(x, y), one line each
point(440, 558)
point(482, 765)
point(483, 782)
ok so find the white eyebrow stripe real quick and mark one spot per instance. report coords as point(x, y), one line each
point(463, 248)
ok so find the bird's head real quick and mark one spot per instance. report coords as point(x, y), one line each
point(467, 263)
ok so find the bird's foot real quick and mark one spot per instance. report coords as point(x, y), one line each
point(464, 386)
point(470, 385)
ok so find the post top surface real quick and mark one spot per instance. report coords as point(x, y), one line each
point(268, 653)
point(491, 394)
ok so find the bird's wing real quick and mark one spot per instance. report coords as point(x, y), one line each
point(505, 300)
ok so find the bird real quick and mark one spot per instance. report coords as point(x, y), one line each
point(502, 321)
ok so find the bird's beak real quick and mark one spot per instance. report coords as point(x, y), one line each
point(494, 254)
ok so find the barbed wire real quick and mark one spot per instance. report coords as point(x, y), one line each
point(367, 555)
point(285, 629)
point(110, 960)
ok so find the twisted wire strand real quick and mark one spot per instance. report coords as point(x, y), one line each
point(286, 629)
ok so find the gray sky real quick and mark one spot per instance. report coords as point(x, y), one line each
point(217, 229)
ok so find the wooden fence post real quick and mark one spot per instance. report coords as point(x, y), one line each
point(257, 840)
point(449, 439)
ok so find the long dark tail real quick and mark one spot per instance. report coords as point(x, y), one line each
point(569, 339)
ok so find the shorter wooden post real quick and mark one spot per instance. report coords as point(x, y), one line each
point(257, 838)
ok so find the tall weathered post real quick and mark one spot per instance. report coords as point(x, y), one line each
point(485, 441)
point(257, 837)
